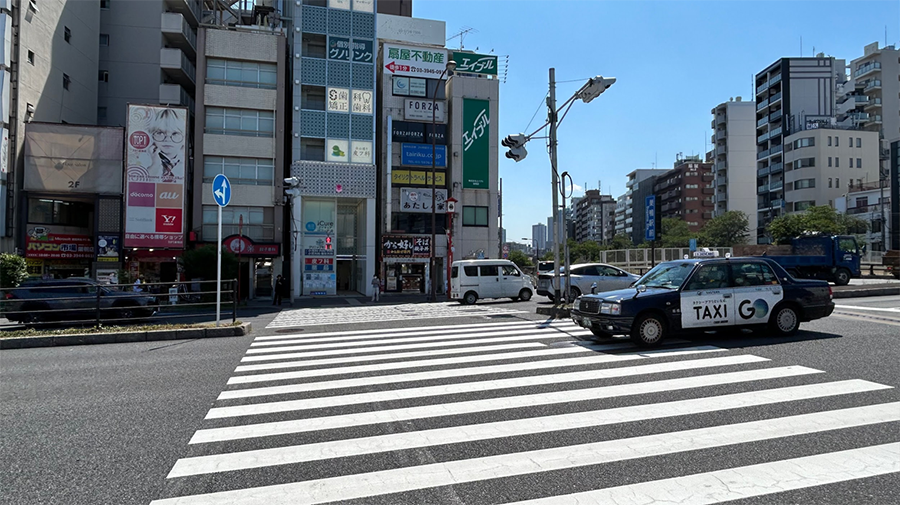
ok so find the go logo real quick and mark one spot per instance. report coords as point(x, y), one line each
point(748, 309)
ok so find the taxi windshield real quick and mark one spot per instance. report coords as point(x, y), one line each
point(666, 275)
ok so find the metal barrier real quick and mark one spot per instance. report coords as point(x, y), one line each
point(85, 301)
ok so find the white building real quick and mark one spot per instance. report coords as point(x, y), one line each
point(870, 202)
point(539, 237)
point(734, 158)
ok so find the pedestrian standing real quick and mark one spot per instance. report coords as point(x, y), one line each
point(137, 284)
point(279, 290)
point(376, 288)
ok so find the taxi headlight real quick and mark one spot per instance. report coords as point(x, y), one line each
point(605, 307)
point(578, 303)
point(615, 309)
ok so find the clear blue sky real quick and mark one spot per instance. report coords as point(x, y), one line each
point(673, 61)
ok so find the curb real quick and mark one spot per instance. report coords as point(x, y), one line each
point(125, 337)
point(858, 293)
point(554, 312)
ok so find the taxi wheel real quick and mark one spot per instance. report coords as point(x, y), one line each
point(470, 298)
point(648, 330)
point(785, 321)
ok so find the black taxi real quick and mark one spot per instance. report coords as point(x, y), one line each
point(705, 294)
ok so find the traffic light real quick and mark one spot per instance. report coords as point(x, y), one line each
point(292, 189)
point(595, 87)
point(516, 145)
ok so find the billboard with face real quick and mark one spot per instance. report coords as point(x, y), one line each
point(155, 160)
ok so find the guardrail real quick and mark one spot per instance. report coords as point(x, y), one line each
point(95, 303)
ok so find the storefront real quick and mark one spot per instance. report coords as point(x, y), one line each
point(406, 261)
point(57, 255)
point(256, 260)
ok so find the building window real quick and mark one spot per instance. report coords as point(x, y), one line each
point(259, 222)
point(801, 206)
point(837, 161)
point(67, 34)
point(837, 142)
point(312, 97)
point(829, 182)
point(66, 81)
point(850, 141)
point(829, 161)
point(103, 75)
point(829, 140)
point(858, 162)
point(804, 142)
point(104, 39)
point(101, 113)
point(858, 141)
point(58, 212)
point(803, 163)
point(245, 74)
point(104, 4)
point(804, 184)
point(312, 149)
point(247, 171)
point(31, 57)
point(851, 162)
point(409, 222)
point(475, 216)
point(862, 202)
point(241, 122)
point(837, 182)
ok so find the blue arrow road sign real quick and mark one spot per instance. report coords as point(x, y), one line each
point(221, 190)
point(650, 224)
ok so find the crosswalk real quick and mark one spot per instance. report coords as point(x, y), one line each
point(524, 412)
point(290, 318)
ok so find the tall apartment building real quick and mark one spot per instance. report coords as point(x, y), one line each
point(148, 55)
point(871, 96)
point(626, 217)
point(685, 192)
point(539, 238)
point(790, 93)
point(734, 158)
point(49, 70)
point(240, 98)
point(639, 195)
point(592, 217)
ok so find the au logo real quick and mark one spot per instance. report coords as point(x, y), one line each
point(748, 309)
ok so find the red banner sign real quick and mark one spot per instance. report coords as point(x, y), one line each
point(246, 247)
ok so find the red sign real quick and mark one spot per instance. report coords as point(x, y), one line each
point(394, 67)
point(243, 245)
point(139, 140)
point(59, 246)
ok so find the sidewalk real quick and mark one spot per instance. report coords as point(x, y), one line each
point(315, 302)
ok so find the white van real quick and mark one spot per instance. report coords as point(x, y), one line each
point(474, 279)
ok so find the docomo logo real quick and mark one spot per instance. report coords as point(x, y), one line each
point(135, 194)
point(139, 140)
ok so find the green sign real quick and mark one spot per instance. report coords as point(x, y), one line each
point(475, 63)
point(476, 142)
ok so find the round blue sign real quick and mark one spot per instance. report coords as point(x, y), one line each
point(310, 226)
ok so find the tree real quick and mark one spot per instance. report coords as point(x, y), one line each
point(520, 259)
point(621, 241)
point(201, 263)
point(675, 232)
point(730, 229)
point(783, 228)
point(816, 220)
point(584, 252)
point(12, 270)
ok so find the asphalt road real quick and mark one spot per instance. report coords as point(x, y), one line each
point(479, 405)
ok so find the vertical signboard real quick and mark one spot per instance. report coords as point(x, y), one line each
point(650, 212)
point(476, 143)
point(155, 142)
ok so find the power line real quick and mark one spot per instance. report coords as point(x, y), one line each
point(536, 111)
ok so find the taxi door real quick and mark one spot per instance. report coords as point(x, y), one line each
point(756, 291)
point(707, 300)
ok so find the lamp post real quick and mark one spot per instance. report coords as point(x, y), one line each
point(448, 69)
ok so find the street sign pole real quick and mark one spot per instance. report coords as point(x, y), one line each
point(221, 190)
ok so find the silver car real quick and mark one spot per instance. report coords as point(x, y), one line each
point(584, 275)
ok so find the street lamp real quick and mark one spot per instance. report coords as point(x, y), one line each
point(448, 69)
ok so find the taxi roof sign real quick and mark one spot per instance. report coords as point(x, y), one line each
point(706, 253)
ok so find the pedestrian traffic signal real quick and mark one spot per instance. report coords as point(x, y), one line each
point(516, 145)
point(327, 243)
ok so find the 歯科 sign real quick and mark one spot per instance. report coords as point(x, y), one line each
point(476, 140)
point(400, 246)
point(414, 61)
point(338, 100)
point(472, 63)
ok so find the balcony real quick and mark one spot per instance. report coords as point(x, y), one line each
point(720, 150)
point(707, 215)
point(178, 33)
point(872, 84)
point(874, 119)
point(777, 204)
point(720, 134)
point(190, 9)
point(762, 105)
point(173, 94)
point(721, 165)
point(707, 177)
point(775, 80)
point(177, 66)
point(721, 182)
point(876, 207)
point(865, 69)
point(775, 168)
point(775, 116)
point(763, 120)
point(762, 138)
point(775, 186)
point(720, 119)
point(776, 132)
point(873, 103)
point(708, 191)
point(762, 189)
point(762, 154)
point(762, 87)
point(775, 98)
point(775, 149)
point(858, 116)
point(762, 172)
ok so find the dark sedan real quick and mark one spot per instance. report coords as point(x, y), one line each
point(705, 294)
point(38, 301)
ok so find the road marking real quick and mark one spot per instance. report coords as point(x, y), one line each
point(517, 427)
point(471, 387)
point(373, 344)
point(877, 309)
point(745, 482)
point(494, 404)
point(474, 371)
point(419, 330)
point(371, 313)
point(403, 347)
point(865, 317)
point(354, 486)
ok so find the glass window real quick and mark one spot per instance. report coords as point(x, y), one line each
point(509, 270)
point(104, 39)
point(46, 211)
point(752, 274)
point(489, 271)
point(666, 275)
point(837, 161)
point(837, 141)
point(709, 277)
point(847, 245)
point(246, 171)
point(475, 216)
point(454, 272)
point(858, 141)
point(471, 271)
point(829, 140)
point(242, 122)
point(246, 74)
point(858, 162)
point(258, 222)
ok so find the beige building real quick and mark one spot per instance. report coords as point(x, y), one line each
point(240, 133)
point(824, 164)
point(734, 158)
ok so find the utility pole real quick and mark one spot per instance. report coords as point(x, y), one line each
point(551, 106)
point(500, 211)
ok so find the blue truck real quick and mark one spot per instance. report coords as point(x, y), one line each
point(831, 258)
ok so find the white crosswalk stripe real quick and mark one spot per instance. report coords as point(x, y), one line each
point(366, 314)
point(540, 382)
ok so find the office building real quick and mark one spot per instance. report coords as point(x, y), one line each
point(791, 94)
point(685, 193)
point(626, 216)
point(594, 217)
point(734, 159)
point(539, 238)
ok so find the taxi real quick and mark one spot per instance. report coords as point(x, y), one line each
point(704, 294)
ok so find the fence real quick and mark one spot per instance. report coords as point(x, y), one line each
point(85, 301)
point(639, 261)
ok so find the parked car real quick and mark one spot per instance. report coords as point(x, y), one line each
point(582, 278)
point(41, 300)
point(705, 294)
point(471, 280)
